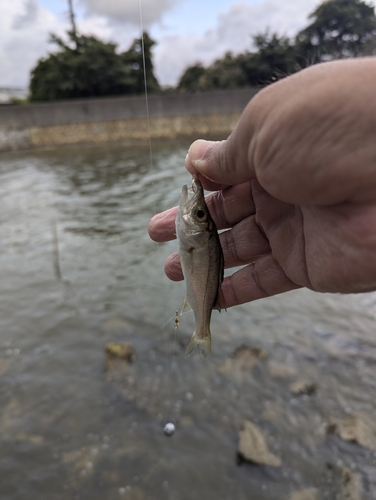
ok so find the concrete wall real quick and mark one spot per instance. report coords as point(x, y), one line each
point(121, 118)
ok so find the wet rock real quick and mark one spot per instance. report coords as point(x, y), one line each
point(306, 494)
point(352, 485)
point(281, 370)
point(345, 484)
point(242, 361)
point(118, 357)
point(252, 446)
point(359, 429)
point(122, 350)
point(300, 388)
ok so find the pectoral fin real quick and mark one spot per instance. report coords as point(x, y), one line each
point(185, 307)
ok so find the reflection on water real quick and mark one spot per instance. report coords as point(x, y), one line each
point(69, 429)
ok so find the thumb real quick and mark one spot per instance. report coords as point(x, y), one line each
point(224, 162)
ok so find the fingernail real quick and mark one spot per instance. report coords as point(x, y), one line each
point(198, 151)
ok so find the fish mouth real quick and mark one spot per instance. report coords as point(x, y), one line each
point(190, 195)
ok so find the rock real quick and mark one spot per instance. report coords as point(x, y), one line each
point(253, 448)
point(306, 494)
point(242, 361)
point(358, 429)
point(352, 485)
point(122, 350)
point(345, 483)
point(300, 388)
point(281, 370)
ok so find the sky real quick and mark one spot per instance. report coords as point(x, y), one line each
point(186, 31)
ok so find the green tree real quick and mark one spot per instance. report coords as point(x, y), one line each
point(340, 28)
point(225, 73)
point(138, 55)
point(275, 58)
point(190, 81)
point(88, 67)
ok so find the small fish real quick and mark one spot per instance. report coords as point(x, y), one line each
point(202, 262)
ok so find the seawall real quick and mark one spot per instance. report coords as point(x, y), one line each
point(121, 119)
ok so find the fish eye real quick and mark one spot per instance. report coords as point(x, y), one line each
point(200, 214)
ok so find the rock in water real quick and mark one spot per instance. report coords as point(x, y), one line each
point(252, 446)
point(300, 388)
point(359, 429)
point(121, 350)
point(307, 494)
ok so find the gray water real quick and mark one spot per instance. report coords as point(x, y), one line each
point(71, 430)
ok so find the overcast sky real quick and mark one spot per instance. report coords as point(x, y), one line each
point(186, 31)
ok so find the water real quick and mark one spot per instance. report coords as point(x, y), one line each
point(69, 429)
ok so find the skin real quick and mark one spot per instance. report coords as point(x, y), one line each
point(295, 185)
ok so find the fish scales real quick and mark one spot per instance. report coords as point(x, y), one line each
point(202, 262)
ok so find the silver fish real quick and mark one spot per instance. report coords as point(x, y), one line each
point(202, 262)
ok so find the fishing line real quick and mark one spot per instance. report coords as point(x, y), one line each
point(169, 427)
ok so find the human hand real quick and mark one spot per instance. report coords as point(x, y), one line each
point(295, 186)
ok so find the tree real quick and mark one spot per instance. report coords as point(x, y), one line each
point(88, 67)
point(190, 81)
point(275, 58)
point(138, 55)
point(340, 28)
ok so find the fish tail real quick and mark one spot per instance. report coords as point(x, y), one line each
point(203, 344)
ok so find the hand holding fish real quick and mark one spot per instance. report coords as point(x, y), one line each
point(295, 186)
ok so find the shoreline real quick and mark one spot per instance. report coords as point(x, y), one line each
point(108, 120)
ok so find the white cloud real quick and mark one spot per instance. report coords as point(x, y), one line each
point(24, 31)
point(25, 25)
point(128, 11)
point(233, 33)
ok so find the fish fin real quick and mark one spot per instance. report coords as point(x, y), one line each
point(203, 344)
point(185, 307)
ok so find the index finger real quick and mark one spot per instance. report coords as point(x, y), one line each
point(227, 208)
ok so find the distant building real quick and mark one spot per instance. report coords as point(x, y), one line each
point(8, 93)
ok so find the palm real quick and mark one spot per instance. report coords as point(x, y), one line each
point(325, 248)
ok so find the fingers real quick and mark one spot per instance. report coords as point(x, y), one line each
point(162, 226)
point(224, 163)
point(172, 268)
point(227, 208)
point(241, 245)
point(263, 278)
point(284, 228)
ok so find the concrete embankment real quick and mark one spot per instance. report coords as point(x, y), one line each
point(121, 119)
